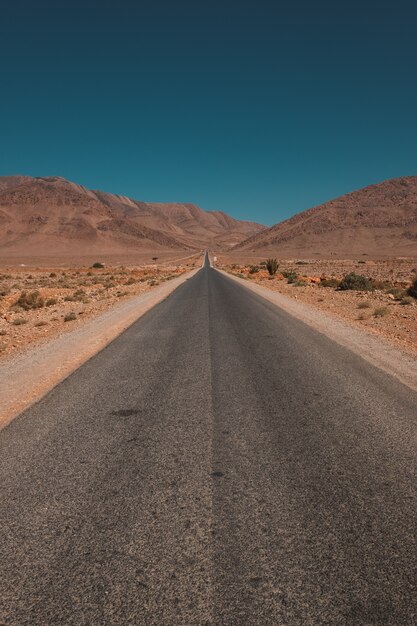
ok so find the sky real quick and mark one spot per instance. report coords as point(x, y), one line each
point(257, 108)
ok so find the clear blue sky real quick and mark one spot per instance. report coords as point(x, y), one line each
point(260, 109)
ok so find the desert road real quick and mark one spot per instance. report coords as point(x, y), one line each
point(220, 463)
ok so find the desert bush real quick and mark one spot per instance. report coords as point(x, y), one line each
point(291, 276)
point(41, 323)
point(397, 293)
point(130, 281)
point(363, 305)
point(253, 269)
point(301, 262)
point(79, 295)
point(328, 282)
point(69, 298)
point(407, 300)
point(412, 290)
point(52, 275)
point(299, 283)
point(19, 321)
point(70, 317)
point(272, 266)
point(356, 282)
point(383, 285)
point(31, 300)
point(380, 312)
point(97, 265)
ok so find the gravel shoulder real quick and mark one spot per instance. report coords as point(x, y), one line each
point(374, 348)
point(26, 377)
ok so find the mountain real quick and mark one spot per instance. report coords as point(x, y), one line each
point(379, 220)
point(55, 217)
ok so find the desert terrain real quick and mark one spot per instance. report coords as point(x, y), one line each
point(39, 303)
point(385, 310)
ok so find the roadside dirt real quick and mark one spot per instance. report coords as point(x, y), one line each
point(37, 305)
point(27, 375)
point(386, 311)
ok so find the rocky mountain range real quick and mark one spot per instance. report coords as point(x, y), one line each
point(379, 220)
point(52, 216)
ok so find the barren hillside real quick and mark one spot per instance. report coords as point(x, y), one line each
point(379, 220)
point(53, 216)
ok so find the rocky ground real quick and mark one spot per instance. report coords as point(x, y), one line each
point(37, 305)
point(387, 310)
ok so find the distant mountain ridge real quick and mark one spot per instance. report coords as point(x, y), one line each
point(53, 216)
point(378, 220)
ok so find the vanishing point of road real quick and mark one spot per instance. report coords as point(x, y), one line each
point(220, 463)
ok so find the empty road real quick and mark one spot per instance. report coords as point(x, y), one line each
point(220, 463)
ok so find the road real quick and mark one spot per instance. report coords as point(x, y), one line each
point(219, 463)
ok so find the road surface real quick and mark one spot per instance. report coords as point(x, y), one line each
point(219, 463)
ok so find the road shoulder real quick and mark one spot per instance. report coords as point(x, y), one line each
point(26, 377)
point(375, 350)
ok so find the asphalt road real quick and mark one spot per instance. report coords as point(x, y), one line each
point(219, 463)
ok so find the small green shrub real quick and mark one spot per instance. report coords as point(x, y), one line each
point(272, 266)
point(253, 269)
point(291, 276)
point(97, 265)
point(328, 282)
point(70, 317)
point(397, 293)
point(380, 312)
point(356, 282)
point(41, 323)
point(412, 290)
point(19, 321)
point(32, 300)
point(407, 300)
point(79, 295)
point(383, 285)
point(363, 305)
point(51, 302)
